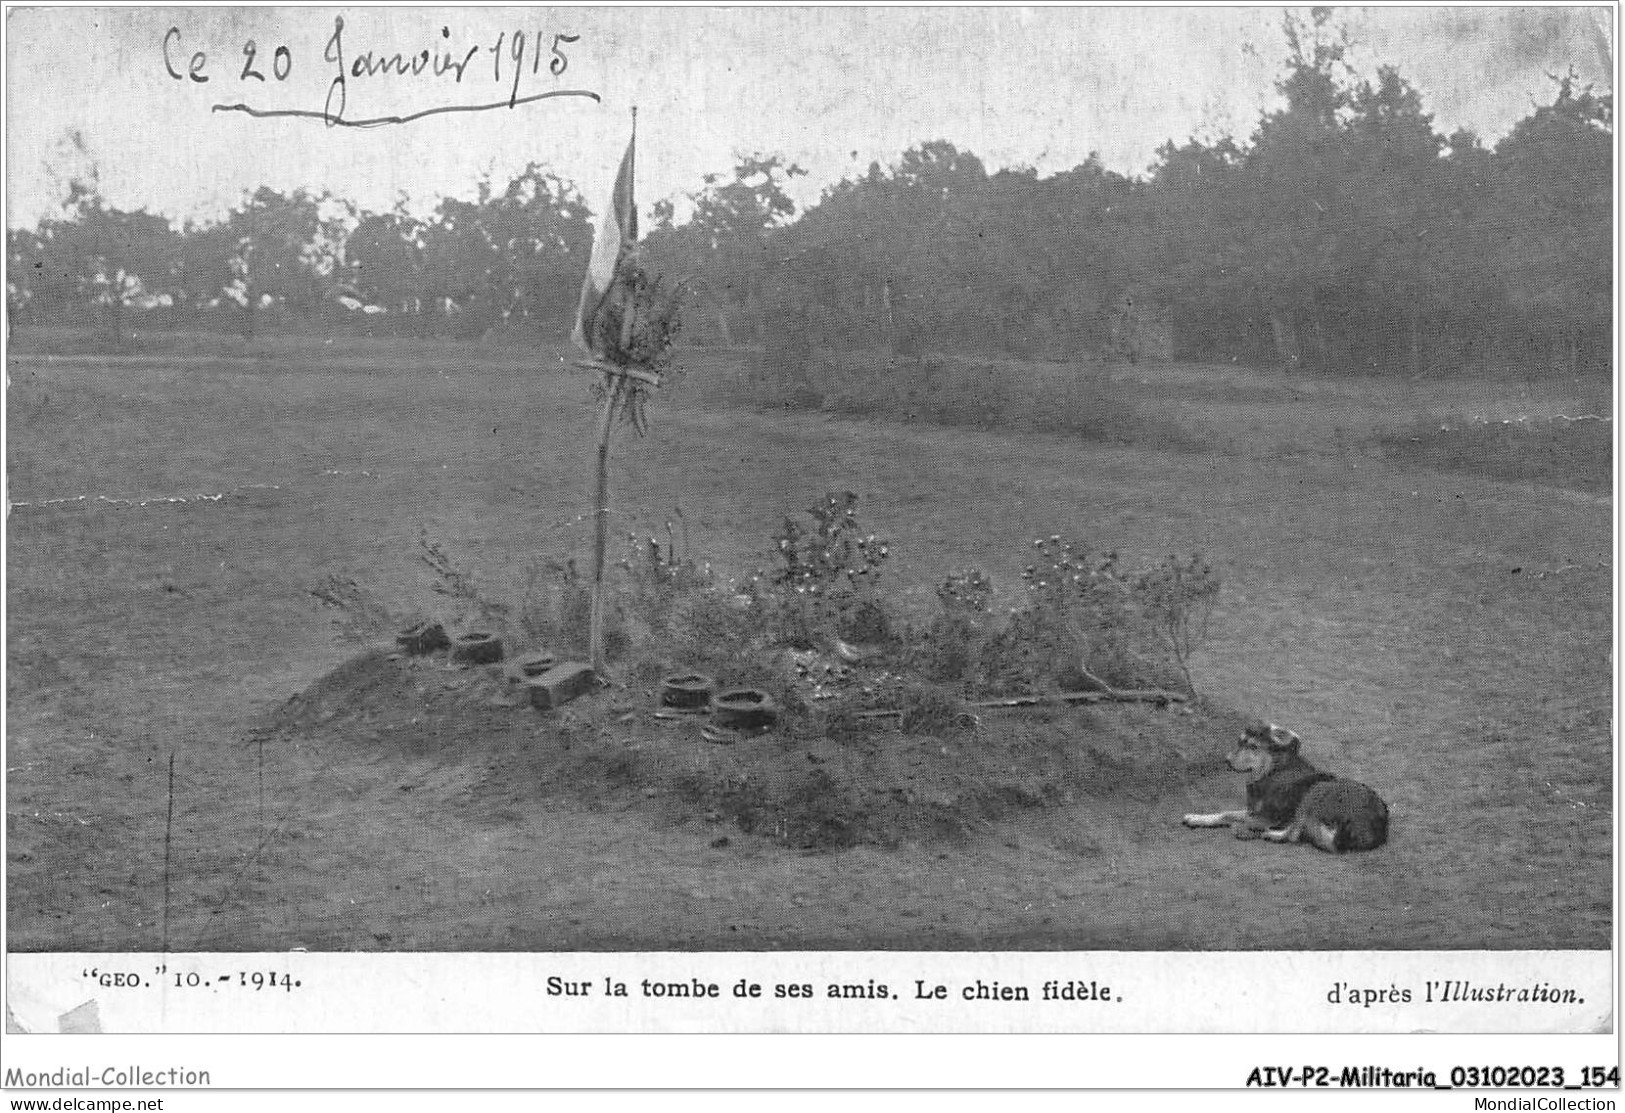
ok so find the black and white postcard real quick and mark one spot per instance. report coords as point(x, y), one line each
point(589, 523)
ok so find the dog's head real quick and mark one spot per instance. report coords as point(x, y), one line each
point(1260, 747)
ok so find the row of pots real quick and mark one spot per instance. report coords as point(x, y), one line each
point(475, 648)
point(732, 709)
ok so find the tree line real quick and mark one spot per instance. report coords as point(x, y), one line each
point(1344, 233)
point(510, 255)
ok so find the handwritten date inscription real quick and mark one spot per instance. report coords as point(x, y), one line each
point(516, 59)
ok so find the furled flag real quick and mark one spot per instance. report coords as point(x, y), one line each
point(617, 232)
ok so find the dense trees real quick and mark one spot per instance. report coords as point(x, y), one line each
point(91, 255)
point(1551, 200)
point(280, 251)
point(721, 251)
point(513, 255)
point(386, 254)
point(1343, 233)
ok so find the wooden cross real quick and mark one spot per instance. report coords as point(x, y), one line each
point(615, 388)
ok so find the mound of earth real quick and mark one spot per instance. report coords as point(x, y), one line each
point(796, 784)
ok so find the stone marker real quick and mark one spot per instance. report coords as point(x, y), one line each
point(560, 684)
point(423, 637)
point(689, 691)
point(534, 664)
point(744, 709)
point(477, 649)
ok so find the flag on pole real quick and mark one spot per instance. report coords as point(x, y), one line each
point(617, 232)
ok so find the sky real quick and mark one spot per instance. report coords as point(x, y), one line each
point(830, 88)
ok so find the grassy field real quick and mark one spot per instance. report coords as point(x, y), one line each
point(1427, 623)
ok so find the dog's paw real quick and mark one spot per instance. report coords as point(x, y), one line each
point(1194, 820)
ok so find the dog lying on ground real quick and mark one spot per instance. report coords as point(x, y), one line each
point(1289, 800)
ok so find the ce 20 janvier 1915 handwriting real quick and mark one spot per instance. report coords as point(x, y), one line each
point(516, 61)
